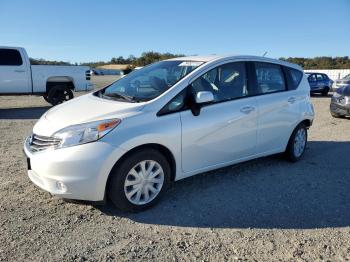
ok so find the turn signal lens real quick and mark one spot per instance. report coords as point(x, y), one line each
point(108, 125)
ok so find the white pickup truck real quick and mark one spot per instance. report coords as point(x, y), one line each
point(54, 83)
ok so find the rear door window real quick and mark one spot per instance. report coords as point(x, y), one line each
point(270, 78)
point(319, 77)
point(10, 57)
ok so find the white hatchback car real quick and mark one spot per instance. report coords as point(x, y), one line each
point(167, 121)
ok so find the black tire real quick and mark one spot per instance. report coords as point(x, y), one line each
point(290, 151)
point(59, 94)
point(46, 98)
point(119, 174)
point(325, 91)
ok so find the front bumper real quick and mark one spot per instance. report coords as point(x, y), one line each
point(340, 109)
point(77, 172)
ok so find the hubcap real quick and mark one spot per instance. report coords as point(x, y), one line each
point(144, 182)
point(299, 142)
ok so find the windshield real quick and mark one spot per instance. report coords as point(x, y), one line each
point(149, 82)
point(347, 77)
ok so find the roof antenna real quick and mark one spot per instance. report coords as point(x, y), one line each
point(264, 54)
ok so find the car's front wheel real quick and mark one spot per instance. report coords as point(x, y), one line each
point(297, 143)
point(139, 181)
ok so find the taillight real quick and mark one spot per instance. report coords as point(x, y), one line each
point(88, 74)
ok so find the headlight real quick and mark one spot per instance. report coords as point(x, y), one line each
point(336, 95)
point(85, 133)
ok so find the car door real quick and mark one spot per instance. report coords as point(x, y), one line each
point(313, 82)
point(278, 108)
point(321, 82)
point(225, 130)
point(14, 76)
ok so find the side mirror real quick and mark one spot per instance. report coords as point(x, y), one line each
point(200, 99)
point(204, 97)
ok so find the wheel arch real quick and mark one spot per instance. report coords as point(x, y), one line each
point(59, 81)
point(306, 122)
point(161, 148)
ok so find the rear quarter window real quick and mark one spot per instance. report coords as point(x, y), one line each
point(10, 57)
point(294, 77)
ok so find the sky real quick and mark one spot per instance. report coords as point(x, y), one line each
point(82, 31)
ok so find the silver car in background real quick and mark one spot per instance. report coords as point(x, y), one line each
point(340, 102)
point(344, 82)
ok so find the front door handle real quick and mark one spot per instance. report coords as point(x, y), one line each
point(292, 100)
point(19, 71)
point(247, 109)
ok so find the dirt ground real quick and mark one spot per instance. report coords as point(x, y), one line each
point(261, 210)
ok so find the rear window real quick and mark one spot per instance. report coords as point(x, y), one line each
point(10, 57)
point(294, 77)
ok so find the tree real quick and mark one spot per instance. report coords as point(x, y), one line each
point(322, 62)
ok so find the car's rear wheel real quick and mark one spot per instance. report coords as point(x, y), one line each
point(297, 143)
point(46, 98)
point(325, 91)
point(59, 94)
point(139, 181)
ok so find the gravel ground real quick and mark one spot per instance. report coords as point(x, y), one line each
point(261, 210)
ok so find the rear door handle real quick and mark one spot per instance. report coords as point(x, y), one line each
point(292, 100)
point(247, 109)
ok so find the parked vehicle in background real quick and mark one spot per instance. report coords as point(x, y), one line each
point(54, 83)
point(168, 121)
point(340, 102)
point(344, 82)
point(319, 83)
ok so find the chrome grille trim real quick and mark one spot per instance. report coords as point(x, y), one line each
point(40, 143)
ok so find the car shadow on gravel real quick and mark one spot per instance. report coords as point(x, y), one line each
point(23, 113)
point(264, 193)
point(317, 95)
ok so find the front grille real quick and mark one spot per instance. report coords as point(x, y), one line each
point(39, 143)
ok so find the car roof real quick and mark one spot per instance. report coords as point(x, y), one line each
point(211, 58)
point(315, 73)
point(11, 47)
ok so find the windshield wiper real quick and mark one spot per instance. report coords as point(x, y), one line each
point(119, 95)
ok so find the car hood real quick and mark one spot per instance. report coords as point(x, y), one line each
point(345, 91)
point(83, 109)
